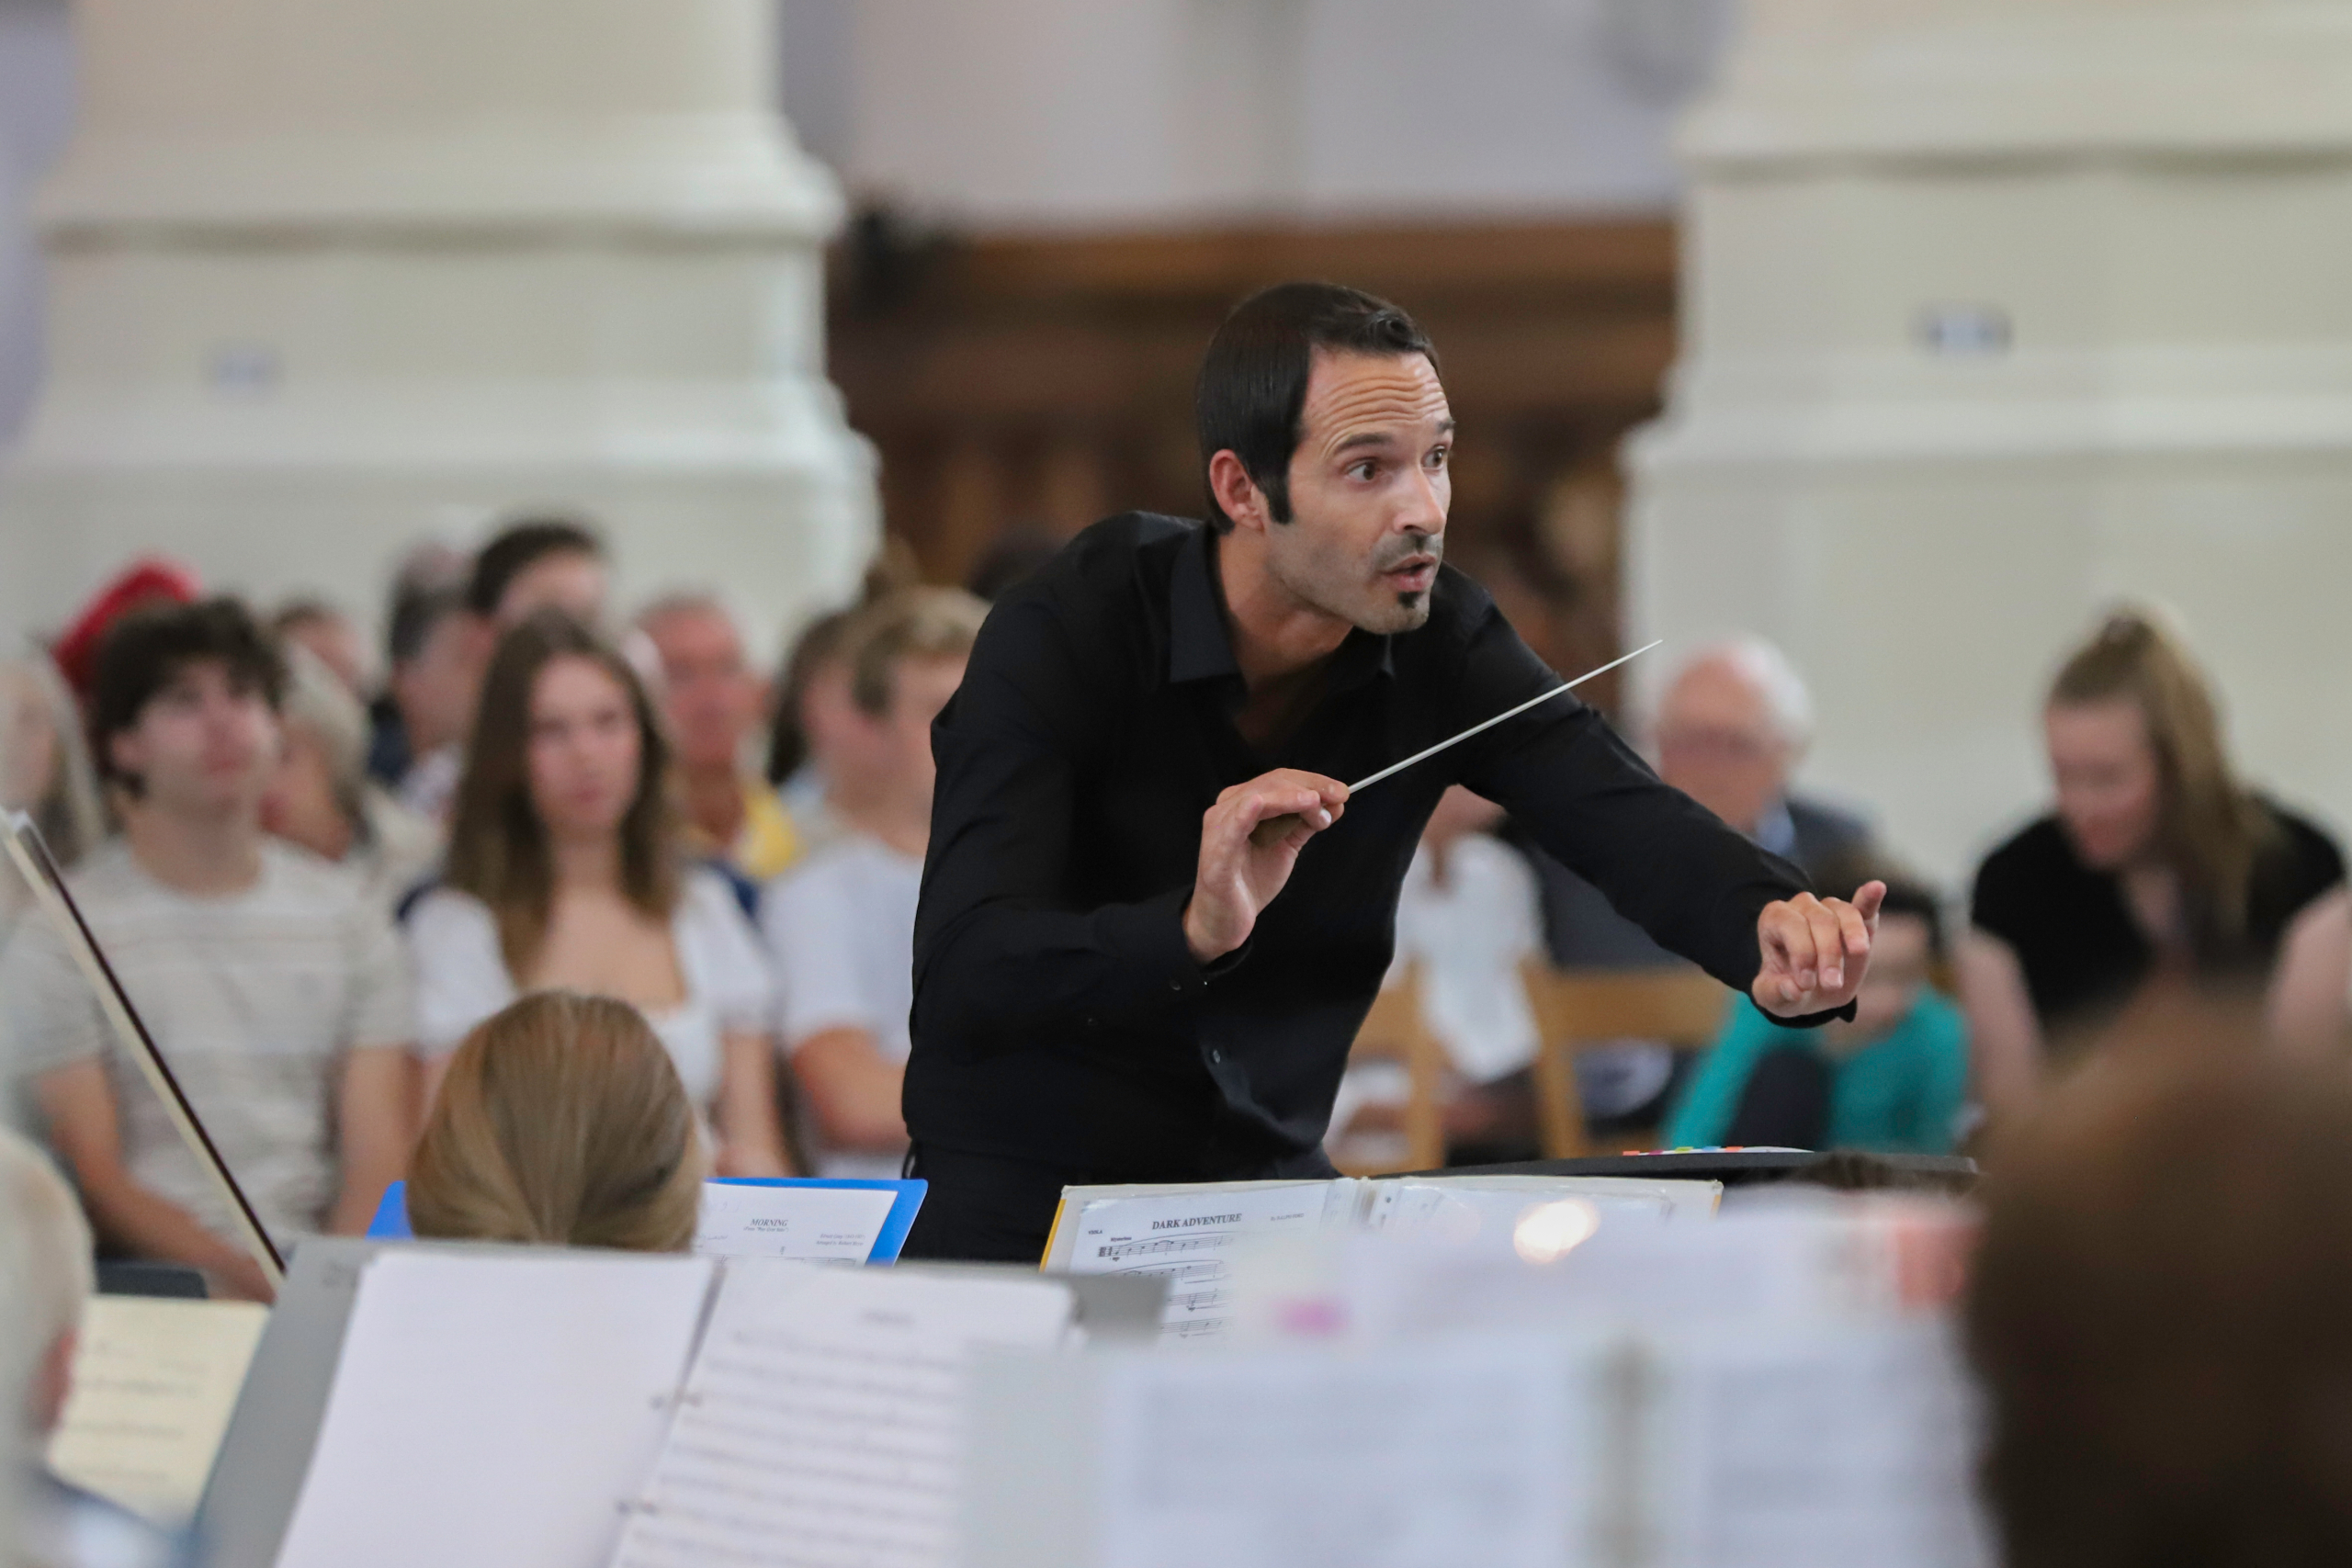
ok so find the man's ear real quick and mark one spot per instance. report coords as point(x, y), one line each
point(1237, 493)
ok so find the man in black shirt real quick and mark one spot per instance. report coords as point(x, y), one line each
point(1151, 918)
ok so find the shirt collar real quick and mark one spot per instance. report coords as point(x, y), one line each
point(1199, 647)
point(1775, 830)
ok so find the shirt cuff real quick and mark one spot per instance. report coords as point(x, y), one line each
point(1813, 1019)
point(1149, 936)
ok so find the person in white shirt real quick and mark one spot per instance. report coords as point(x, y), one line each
point(272, 981)
point(1469, 914)
point(565, 871)
point(841, 923)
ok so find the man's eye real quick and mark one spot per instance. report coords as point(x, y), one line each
point(1364, 471)
point(1438, 455)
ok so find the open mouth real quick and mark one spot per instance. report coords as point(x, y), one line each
point(1412, 576)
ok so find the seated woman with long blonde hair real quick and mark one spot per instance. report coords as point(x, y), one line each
point(2159, 867)
point(561, 1122)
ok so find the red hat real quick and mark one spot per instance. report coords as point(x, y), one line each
point(144, 582)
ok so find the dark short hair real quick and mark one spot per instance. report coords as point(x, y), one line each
point(1252, 385)
point(417, 609)
point(146, 651)
point(520, 546)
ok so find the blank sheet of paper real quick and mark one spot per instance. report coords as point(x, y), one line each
point(823, 1421)
point(1452, 1453)
point(154, 1382)
point(491, 1410)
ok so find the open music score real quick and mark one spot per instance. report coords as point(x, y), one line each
point(1119, 1252)
point(1187, 1234)
point(823, 1424)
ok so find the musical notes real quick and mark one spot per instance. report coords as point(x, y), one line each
point(1187, 1234)
point(823, 1424)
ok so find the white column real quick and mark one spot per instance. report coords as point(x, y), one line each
point(1997, 311)
point(326, 278)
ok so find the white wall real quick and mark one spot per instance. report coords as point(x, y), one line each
point(36, 112)
point(1070, 112)
point(1146, 112)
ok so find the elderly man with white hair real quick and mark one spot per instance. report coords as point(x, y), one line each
point(45, 1279)
point(1730, 730)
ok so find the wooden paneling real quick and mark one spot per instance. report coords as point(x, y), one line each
point(1039, 381)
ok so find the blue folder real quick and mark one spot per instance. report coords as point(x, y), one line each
point(391, 1223)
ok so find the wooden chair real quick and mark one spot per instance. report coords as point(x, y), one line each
point(1576, 1008)
point(1395, 1031)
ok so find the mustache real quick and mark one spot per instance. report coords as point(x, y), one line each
point(1391, 557)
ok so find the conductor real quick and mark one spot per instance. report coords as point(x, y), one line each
point(1151, 919)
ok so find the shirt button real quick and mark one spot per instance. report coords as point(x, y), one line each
point(1175, 985)
point(1217, 1056)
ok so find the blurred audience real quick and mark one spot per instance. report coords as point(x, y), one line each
point(811, 698)
point(45, 1279)
point(2162, 1312)
point(1732, 725)
point(319, 795)
point(313, 624)
point(538, 563)
point(45, 768)
point(714, 701)
point(1467, 918)
point(150, 580)
point(1730, 731)
point(565, 870)
point(420, 719)
point(271, 979)
point(561, 1122)
point(1894, 1080)
point(2156, 865)
point(428, 588)
point(841, 924)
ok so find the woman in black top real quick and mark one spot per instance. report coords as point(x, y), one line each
point(2155, 862)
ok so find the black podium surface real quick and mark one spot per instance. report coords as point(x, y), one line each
point(1734, 1167)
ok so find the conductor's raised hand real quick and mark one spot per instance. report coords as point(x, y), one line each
point(1242, 867)
point(1814, 950)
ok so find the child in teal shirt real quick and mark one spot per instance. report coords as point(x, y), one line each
point(1892, 1082)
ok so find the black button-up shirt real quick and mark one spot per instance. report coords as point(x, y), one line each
point(1059, 1016)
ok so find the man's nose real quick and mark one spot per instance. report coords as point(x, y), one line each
point(1424, 508)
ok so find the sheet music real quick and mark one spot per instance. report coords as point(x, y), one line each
point(1440, 1451)
point(823, 1421)
point(1487, 1208)
point(492, 1409)
point(832, 1223)
point(1850, 1448)
point(1191, 1236)
point(154, 1382)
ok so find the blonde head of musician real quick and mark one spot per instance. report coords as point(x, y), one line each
point(561, 1122)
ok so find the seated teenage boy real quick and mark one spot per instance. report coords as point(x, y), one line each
point(271, 979)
